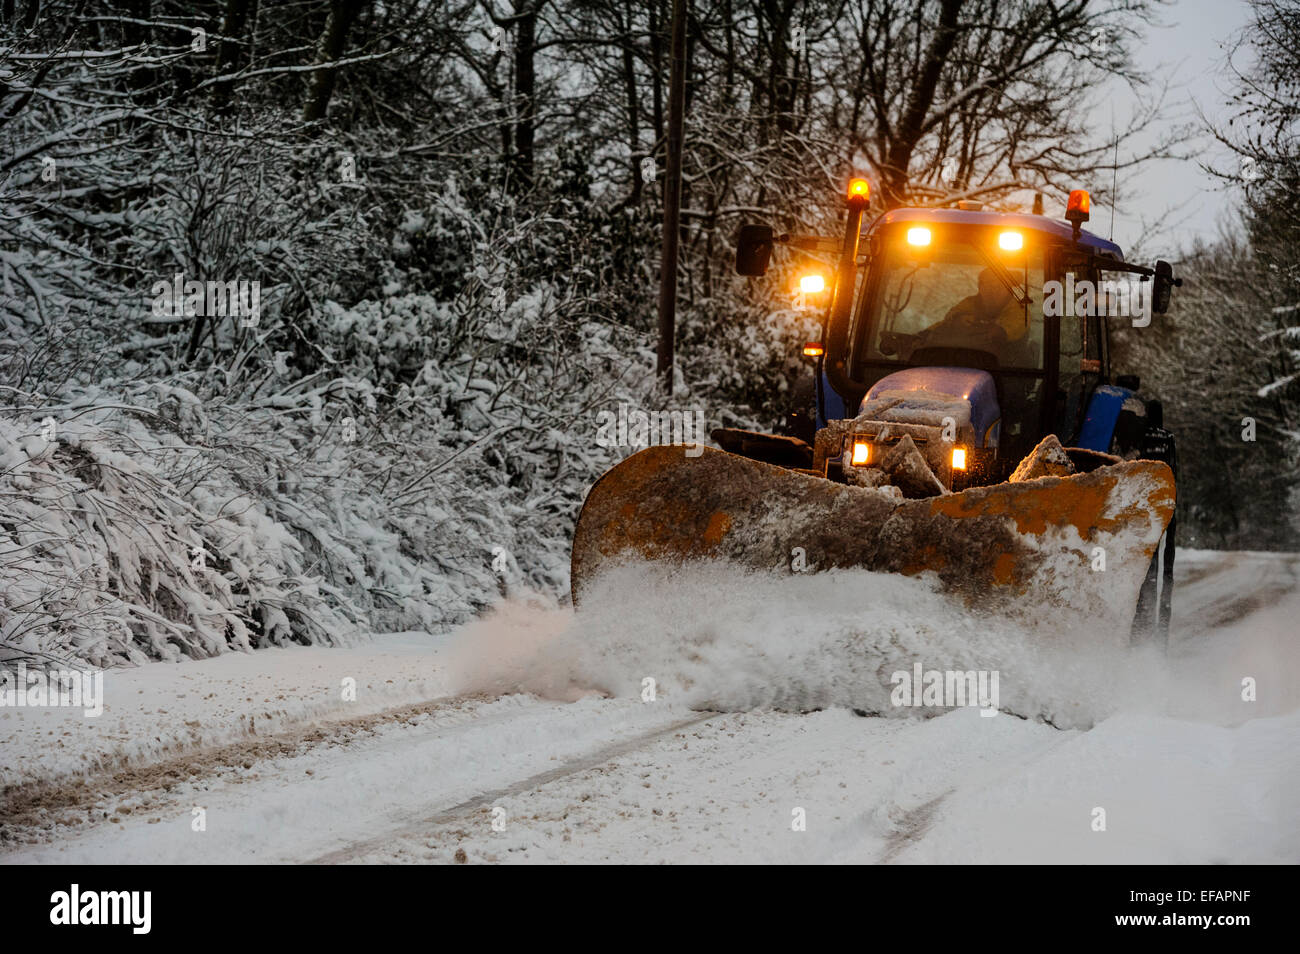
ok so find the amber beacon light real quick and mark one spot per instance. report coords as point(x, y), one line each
point(1077, 208)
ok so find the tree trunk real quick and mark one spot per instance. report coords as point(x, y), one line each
point(911, 124)
point(656, 63)
point(233, 23)
point(333, 41)
point(672, 200)
point(633, 116)
point(525, 21)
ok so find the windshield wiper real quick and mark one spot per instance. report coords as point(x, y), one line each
point(1004, 276)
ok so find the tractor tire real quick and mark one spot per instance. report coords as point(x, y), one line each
point(1156, 599)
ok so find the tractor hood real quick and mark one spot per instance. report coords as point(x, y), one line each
point(928, 395)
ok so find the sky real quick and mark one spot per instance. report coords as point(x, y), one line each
point(1189, 49)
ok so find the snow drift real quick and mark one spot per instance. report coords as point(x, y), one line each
point(715, 637)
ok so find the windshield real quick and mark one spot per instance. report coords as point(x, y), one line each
point(954, 301)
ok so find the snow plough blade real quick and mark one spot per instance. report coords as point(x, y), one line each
point(1081, 542)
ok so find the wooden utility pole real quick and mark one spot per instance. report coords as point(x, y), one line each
point(672, 198)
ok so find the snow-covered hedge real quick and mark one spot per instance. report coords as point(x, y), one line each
point(407, 429)
point(432, 472)
point(127, 535)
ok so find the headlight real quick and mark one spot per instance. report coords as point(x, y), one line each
point(813, 284)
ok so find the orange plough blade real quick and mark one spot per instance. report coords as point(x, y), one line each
point(1082, 542)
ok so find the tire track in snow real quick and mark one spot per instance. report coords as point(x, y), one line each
point(912, 828)
point(1214, 589)
point(41, 803)
point(572, 767)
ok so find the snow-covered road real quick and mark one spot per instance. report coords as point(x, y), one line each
point(265, 757)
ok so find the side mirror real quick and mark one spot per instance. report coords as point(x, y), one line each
point(1163, 287)
point(754, 249)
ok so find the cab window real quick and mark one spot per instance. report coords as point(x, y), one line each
point(953, 294)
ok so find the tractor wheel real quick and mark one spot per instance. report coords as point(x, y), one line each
point(1155, 601)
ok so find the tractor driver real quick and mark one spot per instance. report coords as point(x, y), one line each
point(988, 320)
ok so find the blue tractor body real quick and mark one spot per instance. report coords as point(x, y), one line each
point(974, 336)
point(1079, 403)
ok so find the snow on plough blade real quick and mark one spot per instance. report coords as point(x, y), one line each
point(1081, 542)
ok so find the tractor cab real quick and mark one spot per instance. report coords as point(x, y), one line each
point(976, 333)
point(952, 304)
